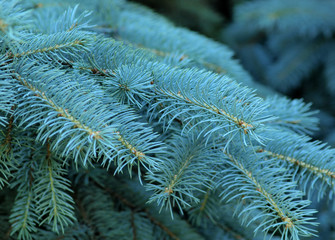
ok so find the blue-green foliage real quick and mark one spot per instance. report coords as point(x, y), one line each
point(329, 68)
point(271, 184)
point(190, 165)
point(289, 45)
point(14, 21)
point(25, 203)
point(115, 124)
point(130, 85)
point(66, 46)
point(292, 114)
point(288, 16)
point(284, 42)
point(310, 166)
point(7, 96)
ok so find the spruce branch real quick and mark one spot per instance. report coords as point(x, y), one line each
point(68, 20)
point(309, 161)
point(130, 85)
point(73, 114)
point(53, 200)
point(186, 170)
point(6, 154)
point(274, 197)
point(7, 95)
point(23, 218)
point(188, 42)
point(205, 99)
point(292, 114)
point(13, 20)
point(78, 107)
point(207, 208)
point(55, 48)
point(131, 196)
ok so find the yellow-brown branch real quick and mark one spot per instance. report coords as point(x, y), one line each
point(77, 124)
point(173, 182)
point(302, 164)
point(61, 112)
point(132, 149)
point(240, 123)
point(48, 49)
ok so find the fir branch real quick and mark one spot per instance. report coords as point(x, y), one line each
point(6, 153)
point(229, 230)
point(208, 209)
point(83, 136)
point(82, 211)
point(181, 58)
point(13, 20)
point(158, 72)
point(23, 216)
point(102, 211)
point(188, 42)
point(56, 47)
point(62, 21)
point(61, 112)
point(54, 203)
point(7, 143)
point(5, 172)
point(211, 214)
point(315, 170)
point(132, 149)
point(308, 160)
point(288, 221)
point(133, 226)
point(280, 206)
point(186, 169)
point(59, 47)
point(292, 114)
point(197, 96)
point(134, 198)
point(245, 126)
point(163, 227)
point(7, 95)
point(24, 226)
point(130, 84)
point(91, 99)
point(204, 203)
point(77, 231)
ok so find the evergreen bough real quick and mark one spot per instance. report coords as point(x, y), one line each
point(116, 124)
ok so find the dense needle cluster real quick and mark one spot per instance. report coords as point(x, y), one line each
point(116, 124)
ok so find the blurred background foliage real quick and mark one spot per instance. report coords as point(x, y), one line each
point(286, 45)
point(204, 16)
